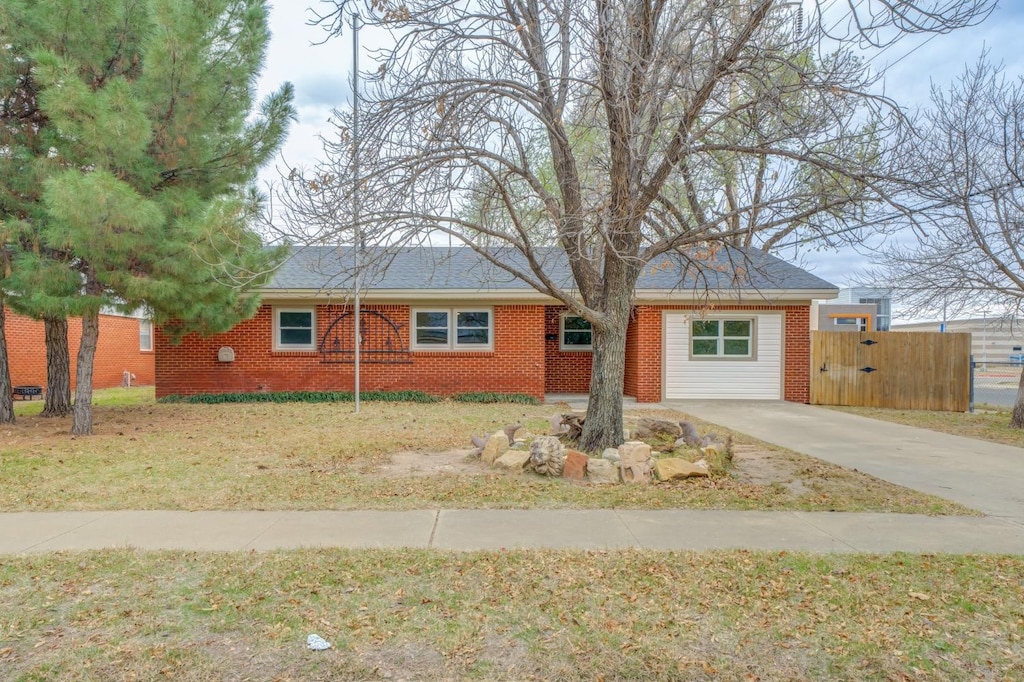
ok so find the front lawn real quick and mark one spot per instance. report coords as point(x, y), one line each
point(147, 455)
point(543, 615)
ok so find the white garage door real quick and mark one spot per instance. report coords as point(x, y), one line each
point(719, 356)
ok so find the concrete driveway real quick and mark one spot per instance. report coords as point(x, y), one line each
point(982, 475)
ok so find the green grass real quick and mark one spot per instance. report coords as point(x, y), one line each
point(301, 397)
point(429, 615)
point(491, 397)
point(105, 397)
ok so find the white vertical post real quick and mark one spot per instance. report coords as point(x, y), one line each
point(356, 235)
point(984, 337)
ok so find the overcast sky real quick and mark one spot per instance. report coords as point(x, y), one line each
point(321, 74)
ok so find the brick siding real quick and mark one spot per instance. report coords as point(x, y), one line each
point(117, 351)
point(526, 358)
point(566, 371)
point(516, 365)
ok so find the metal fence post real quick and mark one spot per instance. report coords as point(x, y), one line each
point(971, 399)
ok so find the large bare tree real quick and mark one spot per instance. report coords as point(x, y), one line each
point(620, 130)
point(967, 255)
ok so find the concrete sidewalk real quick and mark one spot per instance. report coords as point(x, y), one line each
point(507, 529)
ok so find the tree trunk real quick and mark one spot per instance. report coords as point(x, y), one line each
point(1017, 419)
point(603, 425)
point(82, 411)
point(58, 368)
point(6, 389)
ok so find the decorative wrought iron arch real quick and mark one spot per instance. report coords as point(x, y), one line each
point(381, 340)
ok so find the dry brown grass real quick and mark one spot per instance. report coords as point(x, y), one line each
point(429, 615)
point(323, 456)
point(983, 424)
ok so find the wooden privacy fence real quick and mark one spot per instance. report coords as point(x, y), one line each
point(899, 370)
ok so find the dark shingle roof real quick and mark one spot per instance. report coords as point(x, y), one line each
point(461, 268)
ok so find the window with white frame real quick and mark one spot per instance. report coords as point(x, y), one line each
point(575, 333)
point(452, 329)
point(294, 329)
point(146, 335)
point(722, 338)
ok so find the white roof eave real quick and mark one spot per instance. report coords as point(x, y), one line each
point(643, 296)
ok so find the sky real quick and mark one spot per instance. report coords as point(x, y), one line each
point(321, 74)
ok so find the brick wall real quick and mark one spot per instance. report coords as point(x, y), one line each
point(797, 369)
point(117, 351)
point(643, 354)
point(566, 372)
point(644, 350)
point(516, 365)
point(520, 363)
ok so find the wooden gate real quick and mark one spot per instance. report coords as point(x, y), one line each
point(898, 370)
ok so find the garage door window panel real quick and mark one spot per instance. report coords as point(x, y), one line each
point(731, 339)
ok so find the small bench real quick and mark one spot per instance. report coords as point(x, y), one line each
point(27, 392)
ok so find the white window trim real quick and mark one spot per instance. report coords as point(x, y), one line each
point(452, 344)
point(720, 356)
point(142, 347)
point(294, 346)
point(570, 348)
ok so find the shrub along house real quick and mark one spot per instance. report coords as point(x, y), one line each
point(446, 321)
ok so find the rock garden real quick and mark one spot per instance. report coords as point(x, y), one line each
point(659, 450)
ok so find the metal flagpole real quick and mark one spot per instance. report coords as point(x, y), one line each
point(356, 237)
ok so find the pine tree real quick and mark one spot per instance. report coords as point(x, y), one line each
point(132, 119)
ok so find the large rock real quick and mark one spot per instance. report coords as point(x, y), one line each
point(602, 471)
point(652, 428)
point(636, 465)
point(497, 445)
point(675, 468)
point(547, 455)
point(612, 455)
point(513, 461)
point(634, 451)
point(575, 465)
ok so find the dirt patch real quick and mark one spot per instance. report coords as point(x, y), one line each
point(755, 465)
point(458, 462)
point(751, 464)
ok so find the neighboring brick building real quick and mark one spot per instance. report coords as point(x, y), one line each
point(120, 349)
point(446, 321)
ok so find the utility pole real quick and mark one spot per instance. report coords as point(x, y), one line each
point(357, 240)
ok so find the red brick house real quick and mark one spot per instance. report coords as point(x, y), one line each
point(447, 321)
point(125, 345)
